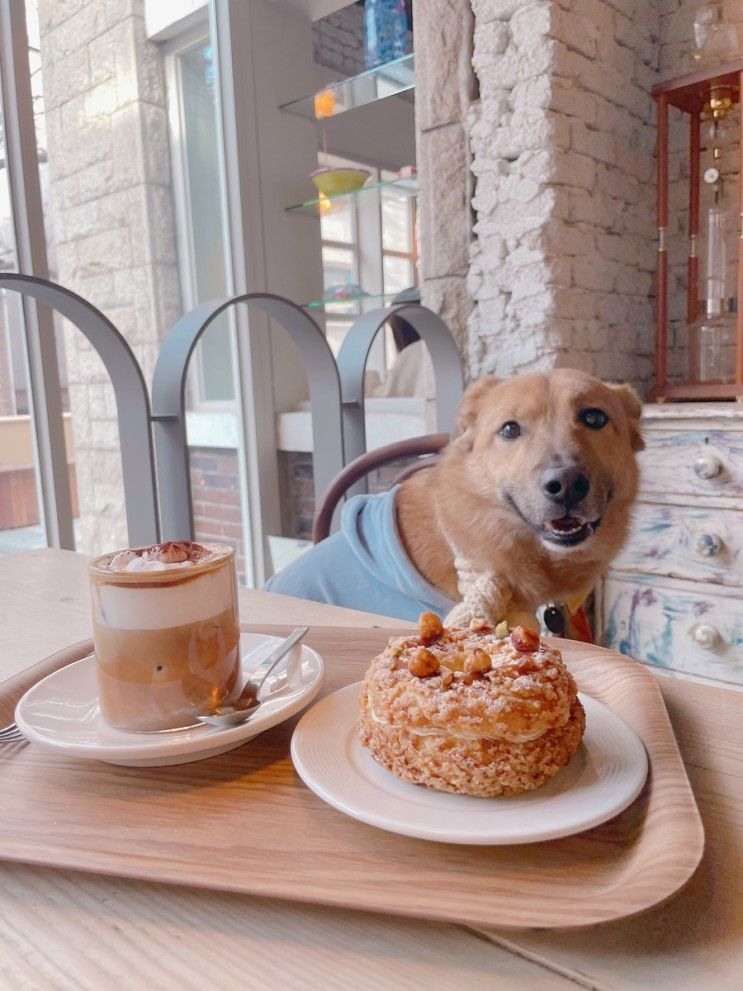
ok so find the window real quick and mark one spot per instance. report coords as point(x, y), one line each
point(340, 261)
point(194, 144)
point(399, 255)
point(370, 244)
point(21, 525)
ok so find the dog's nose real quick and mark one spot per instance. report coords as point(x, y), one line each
point(565, 485)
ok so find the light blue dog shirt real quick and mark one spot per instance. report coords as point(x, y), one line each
point(363, 566)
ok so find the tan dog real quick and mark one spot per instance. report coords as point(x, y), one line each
point(530, 502)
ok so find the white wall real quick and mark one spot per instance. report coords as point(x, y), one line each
point(321, 8)
point(164, 18)
point(287, 149)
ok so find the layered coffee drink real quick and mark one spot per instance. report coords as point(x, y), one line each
point(166, 633)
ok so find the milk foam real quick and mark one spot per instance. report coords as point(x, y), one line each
point(162, 557)
point(158, 607)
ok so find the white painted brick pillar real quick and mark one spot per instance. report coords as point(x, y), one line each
point(445, 88)
point(557, 130)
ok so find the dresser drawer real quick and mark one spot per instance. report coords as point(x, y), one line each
point(674, 624)
point(696, 543)
point(692, 462)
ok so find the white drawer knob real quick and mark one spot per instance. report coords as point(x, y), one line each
point(705, 636)
point(709, 544)
point(708, 466)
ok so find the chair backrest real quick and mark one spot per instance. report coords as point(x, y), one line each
point(425, 448)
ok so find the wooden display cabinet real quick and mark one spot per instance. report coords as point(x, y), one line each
point(692, 94)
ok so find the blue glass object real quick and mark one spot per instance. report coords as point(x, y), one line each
point(385, 31)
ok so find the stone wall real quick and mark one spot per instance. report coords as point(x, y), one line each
point(554, 264)
point(107, 126)
point(605, 63)
point(446, 87)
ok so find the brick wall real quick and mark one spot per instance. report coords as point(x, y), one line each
point(298, 490)
point(339, 41)
point(297, 487)
point(215, 490)
point(18, 503)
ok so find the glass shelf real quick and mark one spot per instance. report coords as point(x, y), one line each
point(375, 84)
point(352, 306)
point(367, 195)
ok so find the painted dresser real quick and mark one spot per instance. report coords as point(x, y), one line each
point(674, 596)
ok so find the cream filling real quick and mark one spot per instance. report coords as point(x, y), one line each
point(436, 731)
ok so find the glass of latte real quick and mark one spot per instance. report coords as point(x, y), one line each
point(166, 633)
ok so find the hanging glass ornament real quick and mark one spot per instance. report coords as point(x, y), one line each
point(718, 32)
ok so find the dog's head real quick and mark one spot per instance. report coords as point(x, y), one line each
point(556, 450)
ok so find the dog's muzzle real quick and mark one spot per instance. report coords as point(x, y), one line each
point(568, 531)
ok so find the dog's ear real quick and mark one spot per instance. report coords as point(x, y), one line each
point(471, 402)
point(633, 408)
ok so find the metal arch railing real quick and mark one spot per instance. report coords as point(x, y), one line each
point(130, 390)
point(168, 400)
point(354, 353)
point(158, 505)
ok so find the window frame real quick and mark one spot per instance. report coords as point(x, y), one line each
point(172, 50)
point(328, 159)
point(369, 251)
point(40, 344)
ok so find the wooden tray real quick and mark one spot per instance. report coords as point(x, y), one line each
point(245, 822)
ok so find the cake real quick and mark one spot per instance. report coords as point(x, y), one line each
point(477, 711)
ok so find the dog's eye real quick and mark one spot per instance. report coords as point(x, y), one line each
point(594, 419)
point(510, 430)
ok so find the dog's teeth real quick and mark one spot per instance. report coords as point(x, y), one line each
point(566, 531)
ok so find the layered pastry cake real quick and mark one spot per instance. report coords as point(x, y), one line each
point(477, 711)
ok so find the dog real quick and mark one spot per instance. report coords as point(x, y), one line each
point(528, 504)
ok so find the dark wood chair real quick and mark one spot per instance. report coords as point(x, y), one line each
point(425, 448)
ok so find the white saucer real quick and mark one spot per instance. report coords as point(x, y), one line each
point(603, 778)
point(62, 712)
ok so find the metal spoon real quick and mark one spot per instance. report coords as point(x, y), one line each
point(244, 706)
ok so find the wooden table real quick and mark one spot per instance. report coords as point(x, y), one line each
point(64, 930)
